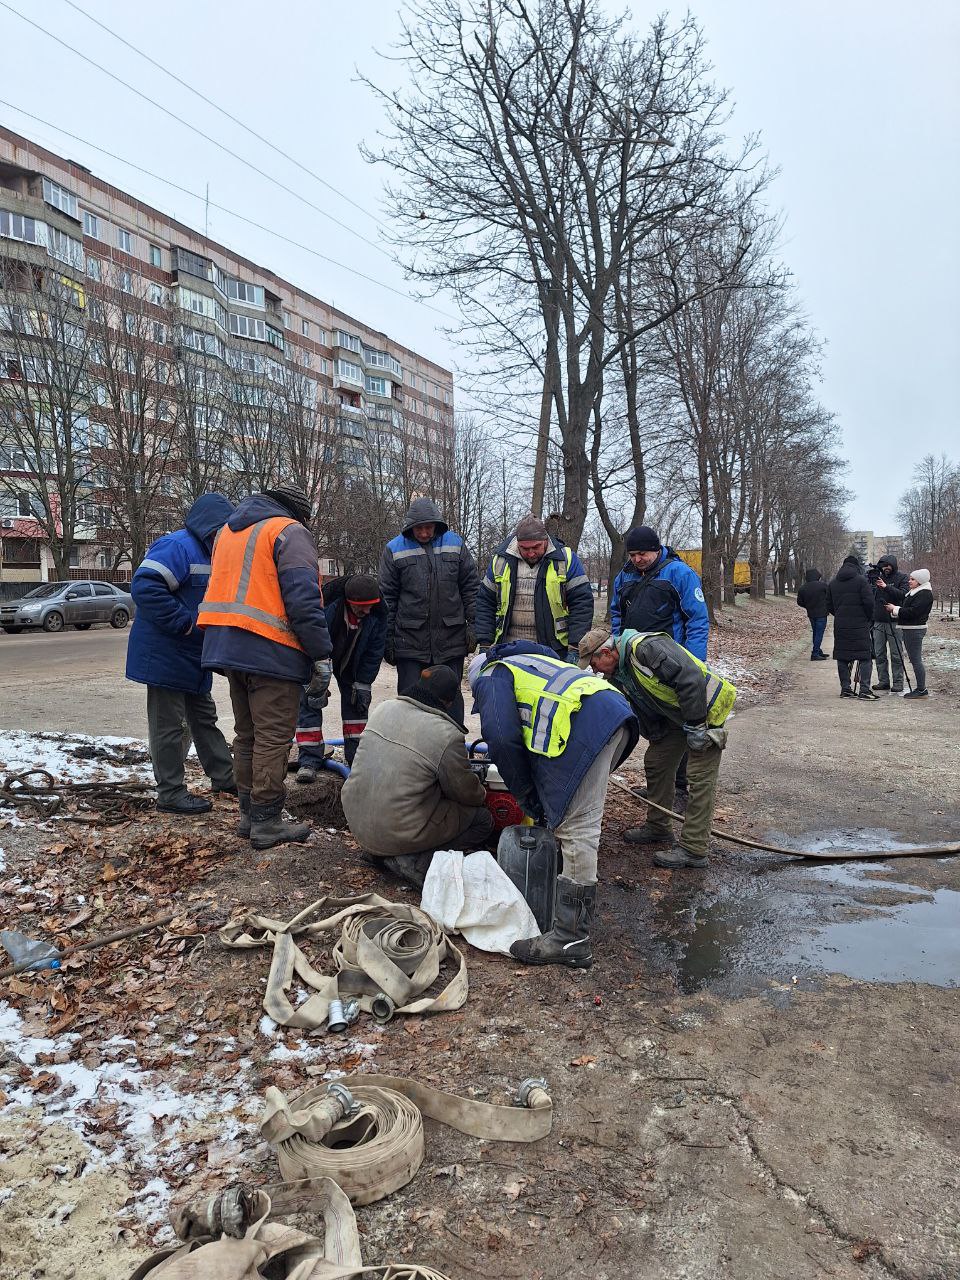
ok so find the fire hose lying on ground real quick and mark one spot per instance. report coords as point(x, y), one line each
point(387, 957)
point(355, 1140)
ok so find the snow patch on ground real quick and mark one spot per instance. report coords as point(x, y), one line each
point(55, 752)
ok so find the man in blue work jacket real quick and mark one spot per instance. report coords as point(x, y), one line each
point(164, 654)
point(657, 591)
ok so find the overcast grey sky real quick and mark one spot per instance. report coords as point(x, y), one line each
point(858, 102)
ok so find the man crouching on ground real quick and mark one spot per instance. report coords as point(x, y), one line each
point(681, 705)
point(411, 790)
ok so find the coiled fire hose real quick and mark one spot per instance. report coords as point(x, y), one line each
point(825, 855)
point(229, 1237)
point(366, 1132)
point(388, 956)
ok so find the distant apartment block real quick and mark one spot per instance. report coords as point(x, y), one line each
point(170, 346)
point(870, 546)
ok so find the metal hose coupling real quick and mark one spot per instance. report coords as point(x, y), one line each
point(382, 1007)
point(342, 1094)
point(533, 1093)
point(340, 1015)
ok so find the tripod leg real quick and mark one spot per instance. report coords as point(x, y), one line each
point(903, 663)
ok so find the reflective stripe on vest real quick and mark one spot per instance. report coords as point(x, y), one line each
point(549, 692)
point(556, 581)
point(244, 589)
point(721, 694)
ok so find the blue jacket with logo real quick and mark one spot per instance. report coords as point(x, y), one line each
point(165, 647)
point(668, 597)
point(545, 785)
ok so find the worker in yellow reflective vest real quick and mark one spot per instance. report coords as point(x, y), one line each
point(682, 706)
point(535, 589)
point(554, 733)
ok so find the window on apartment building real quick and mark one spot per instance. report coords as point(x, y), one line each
point(274, 337)
point(349, 371)
point(91, 225)
point(93, 269)
point(96, 310)
point(251, 294)
point(123, 240)
point(287, 319)
point(377, 386)
point(192, 263)
point(98, 394)
point(323, 365)
point(159, 332)
point(156, 256)
point(65, 247)
point(130, 323)
point(125, 281)
point(247, 326)
point(305, 328)
point(16, 227)
point(155, 294)
point(322, 337)
point(348, 340)
point(60, 198)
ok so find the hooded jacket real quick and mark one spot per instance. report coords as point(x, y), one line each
point(578, 595)
point(363, 661)
point(298, 573)
point(812, 596)
point(165, 647)
point(430, 591)
point(898, 584)
point(410, 788)
point(850, 600)
point(666, 597)
point(546, 784)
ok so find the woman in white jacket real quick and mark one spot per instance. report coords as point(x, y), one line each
point(911, 617)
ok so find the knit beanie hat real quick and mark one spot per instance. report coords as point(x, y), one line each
point(530, 529)
point(295, 501)
point(362, 588)
point(438, 681)
point(852, 560)
point(921, 577)
point(643, 538)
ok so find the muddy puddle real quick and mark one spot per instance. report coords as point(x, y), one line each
point(737, 931)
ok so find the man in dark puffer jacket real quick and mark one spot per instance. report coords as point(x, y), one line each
point(850, 600)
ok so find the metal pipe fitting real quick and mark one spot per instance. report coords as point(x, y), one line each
point(382, 1007)
point(530, 1091)
point(342, 1094)
point(336, 1017)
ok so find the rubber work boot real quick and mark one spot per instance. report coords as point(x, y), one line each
point(268, 827)
point(306, 776)
point(412, 867)
point(647, 835)
point(243, 830)
point(568, 942)
point(678, 857)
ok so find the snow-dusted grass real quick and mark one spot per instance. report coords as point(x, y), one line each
point(55, 752)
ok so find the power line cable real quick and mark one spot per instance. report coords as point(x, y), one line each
point(223, 111)
point(230, 212)
point(194, 129)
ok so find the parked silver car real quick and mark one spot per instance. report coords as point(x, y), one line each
point(56, 605)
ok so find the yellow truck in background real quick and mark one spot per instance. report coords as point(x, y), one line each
point(741, 569)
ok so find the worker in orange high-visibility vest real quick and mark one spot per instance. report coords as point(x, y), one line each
point(266, 631)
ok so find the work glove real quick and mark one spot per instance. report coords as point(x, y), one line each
point(389, 656)
point(471, 638)
point(718, 737)
point(532, 807)
point(698, 736)
point(318, 690)
point(361, 696)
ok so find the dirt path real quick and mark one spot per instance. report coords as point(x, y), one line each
point(755, 1080)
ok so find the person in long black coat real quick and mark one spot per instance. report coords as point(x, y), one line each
point(850, 600)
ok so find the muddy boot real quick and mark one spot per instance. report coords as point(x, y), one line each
point(243, 830)
point(647, 835)
point(412, 867)
point(268, 827)
point(306, 775)
point(568, 942)
point(678, 857)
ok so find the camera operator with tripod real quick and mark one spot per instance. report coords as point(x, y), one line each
point(889, 587)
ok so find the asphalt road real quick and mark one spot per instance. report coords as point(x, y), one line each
point(73, 682)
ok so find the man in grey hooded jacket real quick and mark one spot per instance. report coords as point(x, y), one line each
point(429, 584)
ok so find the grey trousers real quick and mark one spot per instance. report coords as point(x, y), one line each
point(173, 718)
point(913, 642)
point(884, 635)
point(579, 829)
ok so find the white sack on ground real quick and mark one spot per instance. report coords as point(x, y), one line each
point(475, 897)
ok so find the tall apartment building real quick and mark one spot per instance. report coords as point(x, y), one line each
point(870, 546)
point(167, 350)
